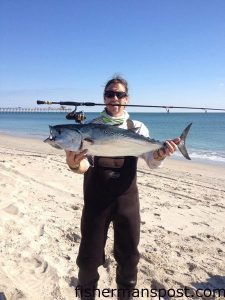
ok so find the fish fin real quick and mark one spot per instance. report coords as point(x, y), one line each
point(88, 141)
point(90, 160)
point(181, 145)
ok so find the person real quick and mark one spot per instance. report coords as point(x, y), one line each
point(111, 195)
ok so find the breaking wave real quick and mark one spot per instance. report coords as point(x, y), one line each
point(205, 156)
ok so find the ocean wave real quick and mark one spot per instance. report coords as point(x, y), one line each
point(205, 156)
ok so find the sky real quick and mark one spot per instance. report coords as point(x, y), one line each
point(171, 52)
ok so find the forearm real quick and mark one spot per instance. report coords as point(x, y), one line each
point(155, 158)
point(152, 160)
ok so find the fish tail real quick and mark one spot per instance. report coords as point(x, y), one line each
point(181, 145)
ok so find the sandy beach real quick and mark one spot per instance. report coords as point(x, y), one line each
point(182, 229)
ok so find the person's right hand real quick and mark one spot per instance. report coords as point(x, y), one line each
point(73, 159)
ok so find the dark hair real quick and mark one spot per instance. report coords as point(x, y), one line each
point(117, 79)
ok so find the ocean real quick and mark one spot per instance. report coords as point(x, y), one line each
point(205, 142)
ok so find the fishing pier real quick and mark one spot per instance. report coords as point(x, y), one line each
point(34, 110)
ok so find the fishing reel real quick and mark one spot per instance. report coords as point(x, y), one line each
point(78, 116)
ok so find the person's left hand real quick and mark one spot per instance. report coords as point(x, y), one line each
point(170, 146)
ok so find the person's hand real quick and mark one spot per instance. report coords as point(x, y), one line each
point(73, 159)
point(170, 146)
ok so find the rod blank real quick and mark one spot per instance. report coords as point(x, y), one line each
point(72, 103)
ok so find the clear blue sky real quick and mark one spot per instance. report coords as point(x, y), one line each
point(172, 52)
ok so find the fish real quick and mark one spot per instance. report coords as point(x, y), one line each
point(107, 140)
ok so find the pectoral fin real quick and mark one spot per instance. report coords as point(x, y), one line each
point(88, 141)
point(90, 160)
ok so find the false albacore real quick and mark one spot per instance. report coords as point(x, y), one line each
point(106, 140)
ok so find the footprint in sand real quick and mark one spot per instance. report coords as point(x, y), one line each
point(41, 230)
point(11, 209)
point(156, 285)
point(40, 265)
point(191, 266)
point(169, 271)
point(33, 274)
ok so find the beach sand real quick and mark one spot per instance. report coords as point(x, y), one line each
point(182, 225)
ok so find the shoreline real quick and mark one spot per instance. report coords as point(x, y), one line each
point(182, 207)
point(18, 139)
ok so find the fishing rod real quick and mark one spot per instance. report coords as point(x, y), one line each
point(79, 116)
point(72, 103)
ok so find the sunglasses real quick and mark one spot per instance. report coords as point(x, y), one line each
point(112, 94)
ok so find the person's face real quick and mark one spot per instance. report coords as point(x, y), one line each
point(113, 98)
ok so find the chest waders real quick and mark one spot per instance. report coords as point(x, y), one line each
point(110, 195)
